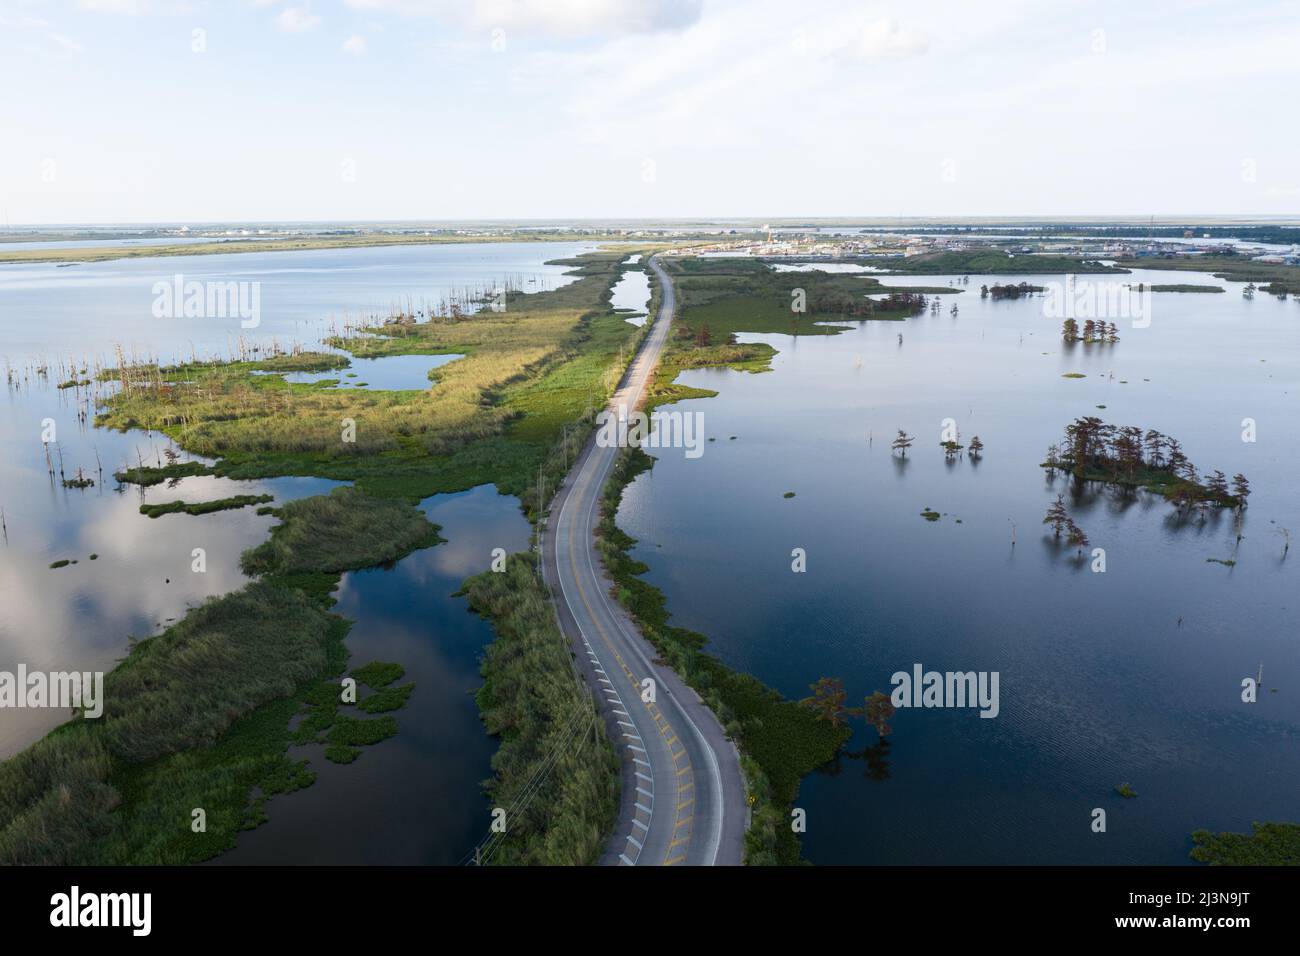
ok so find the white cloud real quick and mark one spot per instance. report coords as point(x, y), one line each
point(355, 44)
point(570, 18)
point(885, 37)
point(297, 19)
point(66, 42)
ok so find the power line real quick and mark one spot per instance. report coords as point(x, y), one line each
point(530, 788)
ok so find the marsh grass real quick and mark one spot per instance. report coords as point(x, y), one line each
point(203, 507)
point(120, 788)
point(147, 476)
point(530, 376)
point(533, 700)
point(225, 409)
point(1268, 844)
point(342, 531)
point(199, 716)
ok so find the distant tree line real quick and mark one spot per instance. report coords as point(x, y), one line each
point(908, 302)
point(1009, 291)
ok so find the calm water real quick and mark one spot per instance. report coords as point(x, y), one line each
point(88, 309)
point(631, 294)
point(386, 373)
point(415, 798)
point(13, 246)
point(1100, 683)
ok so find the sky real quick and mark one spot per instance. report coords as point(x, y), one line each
point(127, 111)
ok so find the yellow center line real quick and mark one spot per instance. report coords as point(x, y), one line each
point(654, 712)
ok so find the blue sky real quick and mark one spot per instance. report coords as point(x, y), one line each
point(119, 111)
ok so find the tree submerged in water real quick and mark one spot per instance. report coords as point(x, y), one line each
point(902, 443)
point(1057, 516)
point(879, 710)
point(828, 699)
point(1094, 333)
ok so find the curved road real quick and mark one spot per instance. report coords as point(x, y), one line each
point(683, 793)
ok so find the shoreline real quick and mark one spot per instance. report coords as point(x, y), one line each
point(84, 254)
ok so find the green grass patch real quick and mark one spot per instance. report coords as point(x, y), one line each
point(147, 475)
point(1269, 844)
point(203, 507)
point(195, 717)
point(379, 674)
point(342, 531)
point(390, 698)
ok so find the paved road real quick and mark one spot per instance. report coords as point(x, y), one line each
point(683, 797)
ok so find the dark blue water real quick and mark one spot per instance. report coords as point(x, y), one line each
point(1100, 682)
point(415, 798)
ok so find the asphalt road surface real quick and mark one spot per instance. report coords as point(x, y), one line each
point(683, 795)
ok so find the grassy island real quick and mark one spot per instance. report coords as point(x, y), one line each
point(203, 507)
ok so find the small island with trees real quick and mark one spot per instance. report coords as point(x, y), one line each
point(1009, 291)
point(1094, 333)
point(1126, 455)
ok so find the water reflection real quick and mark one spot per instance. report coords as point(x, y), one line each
point(415, 798)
